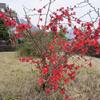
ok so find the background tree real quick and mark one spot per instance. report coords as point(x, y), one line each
point(3, 30)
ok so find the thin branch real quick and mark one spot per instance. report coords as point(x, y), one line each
point(48, 12)
point(86, 14)
point(30, 33)
point(97, 11)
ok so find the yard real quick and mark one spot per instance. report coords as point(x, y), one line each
point(16, 80)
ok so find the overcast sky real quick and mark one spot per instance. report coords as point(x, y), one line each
point(17, 5)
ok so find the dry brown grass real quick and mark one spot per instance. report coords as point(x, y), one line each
point(15, 77)
point(16, 80)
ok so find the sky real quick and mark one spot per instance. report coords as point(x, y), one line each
point(17, 5)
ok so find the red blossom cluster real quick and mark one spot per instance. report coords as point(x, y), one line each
point(54, 68)
point(22, 27)
point(7, 20)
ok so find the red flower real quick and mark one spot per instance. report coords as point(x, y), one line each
point(66, 80)
point(51, 47)
point(70, 66)
point(55, 72)
point(72, 74)
point(22, 59)
point(62, 91)
point(45, 71)
point(47, 90)
point(22, 27)
point(59, 17)
point(1, 15)
point(77, 67)
point(68, 98)
point(55, 87)
point(98, 51)
point(41, 81)
point(64, 30)
point(40, 11)
point(54, 29)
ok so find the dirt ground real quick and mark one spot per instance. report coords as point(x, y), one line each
point(16, 78)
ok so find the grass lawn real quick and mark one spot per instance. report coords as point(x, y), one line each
point(16, 80)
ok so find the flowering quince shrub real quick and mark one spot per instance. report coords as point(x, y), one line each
point(7, 20)
point(54, 70)
point(4, 20)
